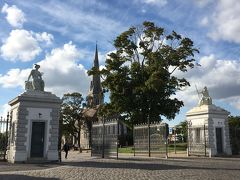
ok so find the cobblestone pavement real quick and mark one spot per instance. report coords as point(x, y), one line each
point(82, 166)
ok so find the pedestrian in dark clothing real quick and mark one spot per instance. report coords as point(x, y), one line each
point(66, 148)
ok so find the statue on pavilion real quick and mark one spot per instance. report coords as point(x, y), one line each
point(205, 98)
point(37, 82)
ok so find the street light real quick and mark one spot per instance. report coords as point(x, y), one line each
point(189, 125)
point(103, 136)
point(175, 129)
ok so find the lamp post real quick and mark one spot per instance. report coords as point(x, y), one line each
point(149, 139)
point(189, 125)
point(103, 136)
point(175, 129)
point(166, 138)
point(205, 143)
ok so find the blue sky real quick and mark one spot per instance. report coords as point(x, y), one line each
point(60, 35)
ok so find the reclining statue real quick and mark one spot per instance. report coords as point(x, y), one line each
point(37, 82)
point(205, 99)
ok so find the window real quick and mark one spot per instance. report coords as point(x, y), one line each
point(13, 133)
point(197, 135)
point(113, 128)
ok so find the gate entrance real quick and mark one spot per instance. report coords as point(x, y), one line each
point(219, 140)
point(37, 141)
point(150, 140)
point(105, 138)
point(198, 142)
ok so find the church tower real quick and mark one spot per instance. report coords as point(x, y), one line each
point(95, 94)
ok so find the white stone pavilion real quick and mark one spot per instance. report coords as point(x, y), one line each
point(34, 123)
point(208, 130)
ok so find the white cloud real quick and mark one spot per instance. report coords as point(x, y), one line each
point(20, 45)
point(14, 78)
point(62, 73)
point(234, 101)
point(24, 45)
point(15, 16)
point(156, 2)
point(225, 21)
point(94, 26)
point(204, 21)
point(222, 77)
point(153, 2)
point(144, 10)
point(202, 3)
point(88, 56)
point(208, 62)
point(45, 37)
point(4, 110)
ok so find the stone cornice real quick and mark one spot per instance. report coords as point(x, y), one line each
point(207, 109)
point(37, 96)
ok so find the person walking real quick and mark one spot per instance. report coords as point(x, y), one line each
point(66, 148)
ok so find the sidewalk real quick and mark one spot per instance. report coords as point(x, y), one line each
point(82, 166)
point(75, 156)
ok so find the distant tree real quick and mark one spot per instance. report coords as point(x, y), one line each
point(182, 128)
point(234, 121)
point(234, 133)
point(140, 73)
point(72, 116)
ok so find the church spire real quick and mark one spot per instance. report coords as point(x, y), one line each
point(95, 95)
point(96, 62)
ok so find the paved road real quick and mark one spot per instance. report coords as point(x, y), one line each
point(82, 166)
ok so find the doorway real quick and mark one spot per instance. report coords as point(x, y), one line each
point(37, 140)
point(219, 140)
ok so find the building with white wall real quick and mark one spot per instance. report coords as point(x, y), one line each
point(34, 127)
point(208, 130)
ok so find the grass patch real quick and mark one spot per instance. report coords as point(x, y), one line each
point(126, 150)
point(179, 147)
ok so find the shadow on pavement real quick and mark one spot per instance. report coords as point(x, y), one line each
point(23, 177)
point(124, 165)
point(143, 166)
point(5, 167)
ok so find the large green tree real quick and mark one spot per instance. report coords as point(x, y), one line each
point(71, 115)
point(234, 121)
point(140, 73)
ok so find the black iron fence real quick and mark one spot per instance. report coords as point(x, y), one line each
point(151, 139)
point(4, 136)
point(198, 141)
point(235, 139)
point(105, 138)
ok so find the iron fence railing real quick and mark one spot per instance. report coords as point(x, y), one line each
point(198, 143)
point(105, 138)
point(4, 136)
point(150, 139)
